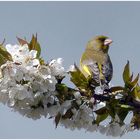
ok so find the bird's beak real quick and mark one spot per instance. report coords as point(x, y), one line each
point(107, 42)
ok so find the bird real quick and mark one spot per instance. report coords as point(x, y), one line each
point(96, 63)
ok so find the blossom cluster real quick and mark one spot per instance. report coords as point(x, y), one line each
point(84, 118)
point(112, 130)
point(26, 85)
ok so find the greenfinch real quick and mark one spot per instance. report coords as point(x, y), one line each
point(95, 62)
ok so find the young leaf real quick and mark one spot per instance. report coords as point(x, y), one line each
point(135, 81)
point(41, 60)
point(101, 118)
point(68, 114)
point(122, 113)
point(62, 88)
point(126, 73)
point(101, 111)
point(57, 119)
point(102, 114)
point(2, 60)
point(136, 93)
point(22, 41)
point(78, 78)
point(131, 77)
point(34, 45)
point(136, 120)
point(111, 106)
point(4, 55)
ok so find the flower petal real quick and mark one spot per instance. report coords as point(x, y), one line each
point(33, 53)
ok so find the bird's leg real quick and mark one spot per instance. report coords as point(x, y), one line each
point(104, 87)
point(107, 90)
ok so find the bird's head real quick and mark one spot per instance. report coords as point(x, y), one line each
point(99, 43)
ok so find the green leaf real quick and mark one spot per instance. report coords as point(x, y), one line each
point(41, 60)
point(64, 92)
point(68, 114)
point(131, 77)
point(101, 111)
point(136, 93)
point(135, 81)
point(34, 45)
point(101, 118)
point(81, 82)
point(111, 106)
point(57, 119)
point(2, 60)
point(129, 84)
point(135, 121)
point(126, 73)
point(4, 55)
point(62, 88)
point(102, 114)
point(78, 78)
point(122, 113)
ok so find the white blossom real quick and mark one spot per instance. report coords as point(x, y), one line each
point(22, 55)
point(113, 129)
point(71, 68)
point(65, 106)
point(56, 67)
point(53, 110)
point(92, 100)
point(77, 95)
point(102, 129)
point(92, 128)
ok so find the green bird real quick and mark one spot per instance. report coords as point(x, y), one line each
point(95, 62)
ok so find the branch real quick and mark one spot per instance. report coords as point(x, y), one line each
point(35, 89)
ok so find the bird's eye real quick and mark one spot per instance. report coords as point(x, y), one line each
point(102, 39)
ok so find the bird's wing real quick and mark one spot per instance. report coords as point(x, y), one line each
point(98, 66)
point(107, 70)
point(92, 68)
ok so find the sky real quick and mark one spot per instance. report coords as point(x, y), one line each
point(63, 30)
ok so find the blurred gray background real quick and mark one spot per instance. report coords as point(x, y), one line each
point(63, 30)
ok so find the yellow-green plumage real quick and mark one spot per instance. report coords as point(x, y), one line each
point(95, 61)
